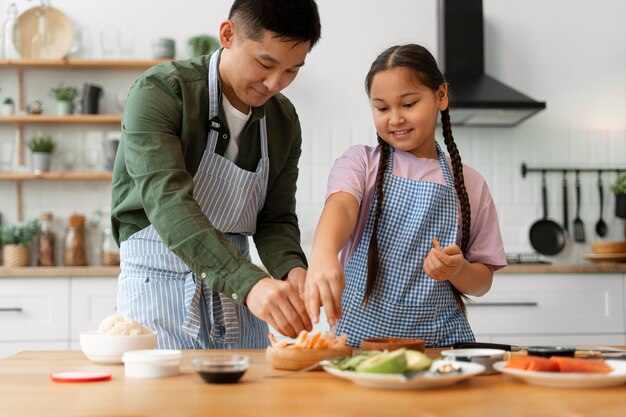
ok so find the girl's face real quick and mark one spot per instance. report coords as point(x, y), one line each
point(405, 111)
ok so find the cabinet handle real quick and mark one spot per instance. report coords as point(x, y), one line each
point(503, 304)
point(16, 309)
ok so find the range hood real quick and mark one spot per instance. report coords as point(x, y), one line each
point(476, 99)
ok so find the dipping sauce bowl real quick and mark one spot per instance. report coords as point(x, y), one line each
point(221, 369)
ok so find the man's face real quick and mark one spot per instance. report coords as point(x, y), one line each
point(253, 71)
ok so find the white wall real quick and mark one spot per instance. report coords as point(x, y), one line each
point(570, 54)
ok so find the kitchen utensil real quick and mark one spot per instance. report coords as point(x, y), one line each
point(221, 368)
point(601, 225)
point(485, 357)
point(579, 227)
point(609, 247)
point(109, 349)
point(565, 206)
point(56, 40)
point(155, 363)
point(546, 236)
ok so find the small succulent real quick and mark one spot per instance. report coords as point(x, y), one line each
point(41, 144)
point(64, 93)
point(202, 45)
point(20, 234)
point(619, 186)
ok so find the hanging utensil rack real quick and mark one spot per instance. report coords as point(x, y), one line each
point(526, 169)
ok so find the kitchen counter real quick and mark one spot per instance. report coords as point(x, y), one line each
point(114, 271)
point(25, 390)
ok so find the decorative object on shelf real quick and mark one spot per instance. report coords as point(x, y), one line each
point(75, 251)
point(110, 252)
point(9, 30)
point(41, 148)
point(163, 48)
point(92, 94)
point(8, 106)
point(109, 146)
point(64, 96)
point(202, 45)
point(6, 155)
point(46, 241)
point(36, 107)
point(16, 241)
point(619, 189)
point(44, 32)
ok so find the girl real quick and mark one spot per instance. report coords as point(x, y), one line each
point(387, 203)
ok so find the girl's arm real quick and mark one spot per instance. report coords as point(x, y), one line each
point(325, 278)
point(448, 264)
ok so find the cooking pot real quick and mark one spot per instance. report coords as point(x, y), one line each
point(546, 236)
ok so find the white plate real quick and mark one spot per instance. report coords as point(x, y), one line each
point(567, 379)
point(397, 381)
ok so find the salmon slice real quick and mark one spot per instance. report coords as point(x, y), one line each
point(596, 366)
point(532, 363)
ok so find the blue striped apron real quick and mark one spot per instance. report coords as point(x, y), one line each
point(406, 302)
point(159, 290)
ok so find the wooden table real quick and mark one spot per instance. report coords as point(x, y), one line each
point(26, 390)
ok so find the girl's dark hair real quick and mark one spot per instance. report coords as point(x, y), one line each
point(427, 73)
point(297, 20)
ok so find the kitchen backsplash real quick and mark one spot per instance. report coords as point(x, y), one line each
point(496, 153)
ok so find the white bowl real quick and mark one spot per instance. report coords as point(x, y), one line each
point(152, 363)
point(102, 348)
point(485, 357)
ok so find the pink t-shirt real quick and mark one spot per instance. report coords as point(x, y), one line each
point(355, 173)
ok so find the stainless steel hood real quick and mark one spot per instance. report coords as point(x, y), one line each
point(476, 99)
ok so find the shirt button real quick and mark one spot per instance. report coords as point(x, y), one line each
point(225, 136)
point(203, 275)
point(234, 296)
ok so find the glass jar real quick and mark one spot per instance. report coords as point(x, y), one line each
point(110, 252)
point(75, 251)
point(46, 241)
point(9, 34)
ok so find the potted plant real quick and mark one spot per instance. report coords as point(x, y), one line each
point(16, 240)
point(65, 96)
point(619, 189)
point(8, 107)
point(41, 148)
point(202, 45)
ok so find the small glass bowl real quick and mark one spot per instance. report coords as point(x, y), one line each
point(221, 369)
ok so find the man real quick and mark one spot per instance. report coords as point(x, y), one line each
point(208, 157)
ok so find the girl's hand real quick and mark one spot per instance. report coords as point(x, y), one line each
point(443, 264)
point(323, 287)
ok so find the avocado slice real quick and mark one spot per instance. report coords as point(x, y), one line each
point(417, 361)
point(393, 362)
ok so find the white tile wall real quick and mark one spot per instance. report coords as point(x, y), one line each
point(496, 153)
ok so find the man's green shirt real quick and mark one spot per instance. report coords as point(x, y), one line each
point(164, 135)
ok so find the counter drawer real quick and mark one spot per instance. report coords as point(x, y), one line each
point(93, 299)
point(556, 303)
point(34, 309)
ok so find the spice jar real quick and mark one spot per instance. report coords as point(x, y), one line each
point(110, 253)
point(46, 241)
point(75, 253)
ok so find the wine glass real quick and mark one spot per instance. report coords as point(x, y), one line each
point(68, 159)
point(91, 157)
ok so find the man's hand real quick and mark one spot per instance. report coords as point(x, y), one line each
point(279, 305)
point(296, 278)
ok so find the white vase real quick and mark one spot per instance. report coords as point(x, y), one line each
point(40, 161)
point(65, 107)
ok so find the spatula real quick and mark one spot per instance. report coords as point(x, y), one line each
point(579, 227)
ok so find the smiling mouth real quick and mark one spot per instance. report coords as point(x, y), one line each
point(399, 133)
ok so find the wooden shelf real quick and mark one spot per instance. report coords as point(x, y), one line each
point(69, 119)
point(56, 176)
point(60, 271)
point(80, 64)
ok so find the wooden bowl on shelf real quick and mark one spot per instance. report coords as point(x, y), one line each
point(293, 359)
point(392, 343)
point(608, 247)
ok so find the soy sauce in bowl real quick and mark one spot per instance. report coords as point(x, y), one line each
point(221, 369)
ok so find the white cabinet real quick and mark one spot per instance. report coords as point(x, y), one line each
point(531, 309)
point(92, 299)
point(49, 313)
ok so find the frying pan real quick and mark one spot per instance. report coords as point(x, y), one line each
point(546, 236)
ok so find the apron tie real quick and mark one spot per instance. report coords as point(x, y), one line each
point(193, 293)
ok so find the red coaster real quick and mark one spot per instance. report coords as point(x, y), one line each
point(80, 376)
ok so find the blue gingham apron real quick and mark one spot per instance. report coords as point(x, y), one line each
point(406, 302)
point(159, 290)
